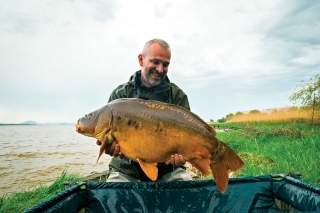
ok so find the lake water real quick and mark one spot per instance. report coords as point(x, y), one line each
point(31, 155)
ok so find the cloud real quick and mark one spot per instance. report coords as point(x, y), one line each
point(104, 10)
point(161, 8)
point(64, 58)
point(38, 17)
point(298, 23)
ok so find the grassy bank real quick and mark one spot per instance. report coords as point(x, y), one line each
point(21, 201)
point(268, 148)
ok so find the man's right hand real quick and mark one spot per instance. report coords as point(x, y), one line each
point(113, 149)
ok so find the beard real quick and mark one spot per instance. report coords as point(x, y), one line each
point(154, 78)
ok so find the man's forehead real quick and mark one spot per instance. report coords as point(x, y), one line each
point(159, 54)
point(158, 48)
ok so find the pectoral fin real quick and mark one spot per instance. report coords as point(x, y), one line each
point(150, 169)
point(104, 142)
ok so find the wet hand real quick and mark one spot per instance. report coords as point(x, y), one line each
point(176, 160)
point(113, 149)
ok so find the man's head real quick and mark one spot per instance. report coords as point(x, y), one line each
point(154, 61)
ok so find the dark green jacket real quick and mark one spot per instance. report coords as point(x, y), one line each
point(167, 92)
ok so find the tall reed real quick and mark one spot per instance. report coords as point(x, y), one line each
point(291, 114)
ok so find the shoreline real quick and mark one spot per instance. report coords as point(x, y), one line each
point(2, 124)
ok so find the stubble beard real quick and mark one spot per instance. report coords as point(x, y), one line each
point(153, 83)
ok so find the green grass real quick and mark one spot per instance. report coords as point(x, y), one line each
point(276, 148)
point(21, 201)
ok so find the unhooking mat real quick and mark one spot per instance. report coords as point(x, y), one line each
point(248, 194)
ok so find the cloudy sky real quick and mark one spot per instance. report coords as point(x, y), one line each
point(61, 59)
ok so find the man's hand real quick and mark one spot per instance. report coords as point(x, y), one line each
point(112, 149)
point(176, 160)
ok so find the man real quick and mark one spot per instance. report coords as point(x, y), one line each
point(150, 83)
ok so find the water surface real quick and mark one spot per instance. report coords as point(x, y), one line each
point(37, 154)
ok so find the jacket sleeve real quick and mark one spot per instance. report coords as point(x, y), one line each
point(178, 97)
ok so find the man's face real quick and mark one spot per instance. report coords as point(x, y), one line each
point(154, 65)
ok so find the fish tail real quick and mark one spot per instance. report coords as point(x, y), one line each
point(220, 170)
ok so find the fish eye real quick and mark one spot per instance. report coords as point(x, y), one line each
point(88, 116)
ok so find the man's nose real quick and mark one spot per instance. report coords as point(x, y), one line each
point(160, 68)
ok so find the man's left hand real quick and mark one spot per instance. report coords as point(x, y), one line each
point(176, 160)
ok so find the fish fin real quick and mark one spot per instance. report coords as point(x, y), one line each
point(231, 159)
point(101, 150)
point(201, 164)
point(221, 176)
point(212, 130)
point(105, 142)
point(95, 161)
point(150, 169)
point(220, 170)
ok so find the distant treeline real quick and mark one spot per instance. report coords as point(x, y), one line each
point(14, 124)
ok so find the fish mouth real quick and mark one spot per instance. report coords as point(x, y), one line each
point(78, 128)
point(83, 129)
point(90, 131)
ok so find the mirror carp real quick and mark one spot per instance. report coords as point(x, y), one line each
point(149, 132)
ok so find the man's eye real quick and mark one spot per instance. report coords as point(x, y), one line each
point(156, 62)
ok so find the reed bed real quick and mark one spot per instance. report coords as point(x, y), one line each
point(290, 114)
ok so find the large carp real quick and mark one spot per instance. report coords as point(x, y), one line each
point(149, 132)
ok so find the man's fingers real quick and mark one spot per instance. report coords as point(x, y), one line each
point(168, 162)
point(121, 155)
point(112, 148)
point(107, 149)
point(176, 160)
point(116, 150)
point(181, 160)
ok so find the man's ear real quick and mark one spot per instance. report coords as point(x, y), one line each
point(140, 58)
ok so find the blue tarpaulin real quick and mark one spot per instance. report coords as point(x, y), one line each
point(248, 194)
